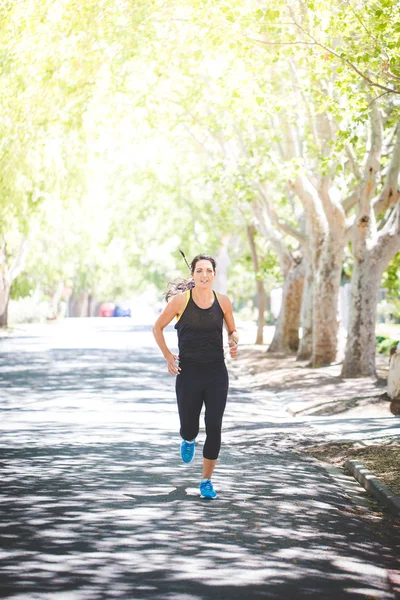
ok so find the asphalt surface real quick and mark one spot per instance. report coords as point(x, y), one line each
point(96, 504)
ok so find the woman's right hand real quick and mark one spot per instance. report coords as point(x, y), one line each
point(173, 368)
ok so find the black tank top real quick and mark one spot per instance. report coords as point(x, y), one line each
point(200, 332)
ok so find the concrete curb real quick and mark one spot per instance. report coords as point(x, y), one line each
point(372, 484)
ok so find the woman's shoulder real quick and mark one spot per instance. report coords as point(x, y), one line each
point(180, 302)
point(179, 298)
point(224, 301)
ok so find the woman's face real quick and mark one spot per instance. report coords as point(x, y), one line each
point(203, 274)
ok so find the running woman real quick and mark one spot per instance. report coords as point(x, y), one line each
point(202, 377)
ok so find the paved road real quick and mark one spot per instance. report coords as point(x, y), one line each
point(95, 503)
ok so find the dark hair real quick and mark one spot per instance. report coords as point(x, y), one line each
point(202, 257)
point(182, 285)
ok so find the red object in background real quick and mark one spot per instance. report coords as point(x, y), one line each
point(107, 309)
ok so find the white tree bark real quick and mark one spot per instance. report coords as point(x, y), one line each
point(360, 347)
point(8, 273)
point(325, 233)
point(326, 294)
point(306, 317)
point(326, 226)
point(372, 250)
point(394, 375)
point(261, 299)
point(4, 300)
point(55, 300)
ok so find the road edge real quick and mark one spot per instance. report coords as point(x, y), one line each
point(374, 486)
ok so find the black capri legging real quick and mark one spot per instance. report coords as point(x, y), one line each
point(199, 383)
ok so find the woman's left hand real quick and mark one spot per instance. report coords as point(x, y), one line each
point(233, 348)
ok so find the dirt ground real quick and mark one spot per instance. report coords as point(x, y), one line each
point(323, 392)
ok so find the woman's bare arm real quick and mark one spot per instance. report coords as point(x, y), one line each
point(233, 336)
point(173, 309)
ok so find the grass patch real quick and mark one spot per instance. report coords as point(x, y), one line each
point(381, 459)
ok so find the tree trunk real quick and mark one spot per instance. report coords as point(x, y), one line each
point(84, 305)
point(4, 302)
point(306, 318)
point(89, 305)
point(394, 375)
point(369, 265)
point(261, 299)
point(79, 305)
point(372, 248)
point(8, 272)
point(359, 358)
point(55, 301)
point(326, 239)
point(326, 295)
point(261, 302)
point(286, 336)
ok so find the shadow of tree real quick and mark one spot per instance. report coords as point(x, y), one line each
point(95, 503)
point(113, 516)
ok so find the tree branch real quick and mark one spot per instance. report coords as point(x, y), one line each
point(294, 233)
point(388, 242)
point(311, 201)
point(343, 59)
point(390, 193)
point(276, 221)
point(297, 43)
point(372, 165)
point(351, 201)
point(348, 232)
point(299, 89)
point(334, 210)
point(355, 167)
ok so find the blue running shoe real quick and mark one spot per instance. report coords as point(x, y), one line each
point(207, 490)
point(187, 450)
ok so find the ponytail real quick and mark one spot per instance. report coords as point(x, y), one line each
point(178, 286)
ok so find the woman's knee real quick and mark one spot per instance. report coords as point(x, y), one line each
point(189, 432)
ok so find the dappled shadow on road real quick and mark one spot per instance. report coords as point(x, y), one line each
point(79, 370)
point(125, 520)
point(95, 501)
